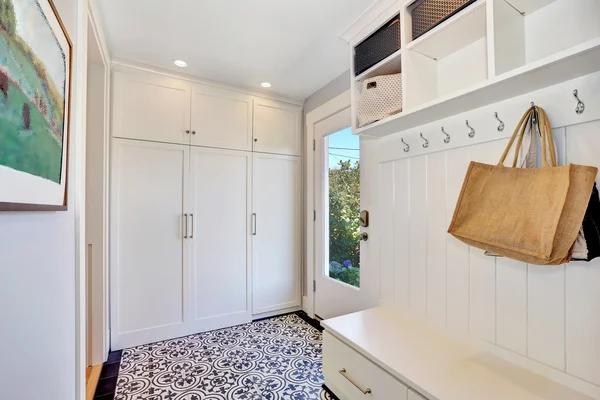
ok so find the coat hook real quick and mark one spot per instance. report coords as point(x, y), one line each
point(447, 138)
point(501, 126)
point(472, 132)
point(580, 106)
point(407, 147)
point(426, 144)
point(533, 119)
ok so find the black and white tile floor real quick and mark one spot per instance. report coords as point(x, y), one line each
point(273, 359)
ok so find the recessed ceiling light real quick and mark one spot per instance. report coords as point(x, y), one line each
point(180, 63)
point(265, 84)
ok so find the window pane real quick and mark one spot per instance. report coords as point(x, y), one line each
point(344, 206)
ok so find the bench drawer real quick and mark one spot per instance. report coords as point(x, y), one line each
point(355, 376)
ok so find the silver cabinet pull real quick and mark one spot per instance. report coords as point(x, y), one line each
point(254, 224)
point(345, 375)
point(185, 222)
point(192, 234)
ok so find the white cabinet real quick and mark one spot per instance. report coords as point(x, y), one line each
point(148, 267)
point(221, 118)
point(276, 232)
point(277, 127)
point(353, 375)
point(220, 199)
point(184, 193)
point(151, 107)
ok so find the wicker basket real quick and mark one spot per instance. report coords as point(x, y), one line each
point(426, 14)
point(381, 44)
point(379, 98)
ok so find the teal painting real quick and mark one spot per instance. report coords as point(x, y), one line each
point(35, 54)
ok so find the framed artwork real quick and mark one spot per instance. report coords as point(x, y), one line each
point(35, 87)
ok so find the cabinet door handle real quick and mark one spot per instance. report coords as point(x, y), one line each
point(193, 132)
point(187, 131)
point(345, 375)
point(254, 224)
point(185, 223)
point(192, 234)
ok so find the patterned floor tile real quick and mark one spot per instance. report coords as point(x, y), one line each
point(273, 359)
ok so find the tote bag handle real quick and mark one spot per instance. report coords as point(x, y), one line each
point(545, 133)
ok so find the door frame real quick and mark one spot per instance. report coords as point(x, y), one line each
point(87, 13)
point(332, 107)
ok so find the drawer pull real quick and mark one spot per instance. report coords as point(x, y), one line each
point(345, 375)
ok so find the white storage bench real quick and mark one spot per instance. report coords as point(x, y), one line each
point(375, 354)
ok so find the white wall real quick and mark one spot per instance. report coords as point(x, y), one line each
point(545, 318)
point(37, 289)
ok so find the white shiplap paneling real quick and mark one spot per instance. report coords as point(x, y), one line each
point(545, 314)
point(402, 234)
point(386, 204)
point(418, 236)
point(436, 237)
point(583, 279)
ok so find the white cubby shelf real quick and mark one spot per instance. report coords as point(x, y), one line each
point(491, 51)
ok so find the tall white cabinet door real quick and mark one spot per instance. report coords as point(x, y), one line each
point(277, 232)
point(148, 269)
point(277, 127)
point(220, 238)
point(221, 118)
point(151, 107)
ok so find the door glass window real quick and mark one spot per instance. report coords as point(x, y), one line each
point(343, 196)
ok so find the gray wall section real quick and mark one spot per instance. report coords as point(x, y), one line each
point(334, 88)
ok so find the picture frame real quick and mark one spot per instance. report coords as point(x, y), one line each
point(35, 105)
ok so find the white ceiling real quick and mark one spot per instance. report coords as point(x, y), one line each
point(294, 44)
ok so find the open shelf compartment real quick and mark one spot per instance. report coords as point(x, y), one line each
point(526, 31)
point(449, 58)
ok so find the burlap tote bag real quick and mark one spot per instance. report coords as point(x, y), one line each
point(528, 214)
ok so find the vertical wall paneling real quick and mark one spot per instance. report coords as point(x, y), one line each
point(401, 234)
point(418, 236)
point(483, 268)
point(436, 237)
point(546, 315)
point(386, 219)
point(583, 279)
point(543, 317)
point(457, 253)
point(511, 305)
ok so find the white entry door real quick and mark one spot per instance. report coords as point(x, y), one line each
point(340, 270)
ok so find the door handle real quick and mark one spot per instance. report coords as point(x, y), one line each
point(185, 223)
point(254, 224)
point(192, 234)
point(345, 375)
point(364, 236)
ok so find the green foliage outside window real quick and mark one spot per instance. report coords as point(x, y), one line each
point(344, 228)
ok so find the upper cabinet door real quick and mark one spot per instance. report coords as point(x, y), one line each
point(221, 118)
point(151, 107)
point(276, 127)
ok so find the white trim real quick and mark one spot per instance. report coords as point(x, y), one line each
point(369, 20)
point(79, 154)
point(106, 61)
point(119, 64)
point(322, 112)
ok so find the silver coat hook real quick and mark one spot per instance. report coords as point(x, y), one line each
point(447, 138)
point(580, 106)
point(426, 144)
point(533, 119)
point(501, 126)
point(472, 132)
point(406, 146)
